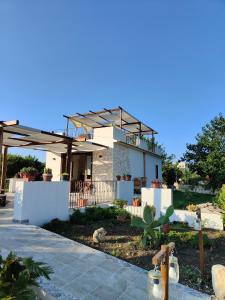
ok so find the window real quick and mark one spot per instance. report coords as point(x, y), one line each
point(156, 171)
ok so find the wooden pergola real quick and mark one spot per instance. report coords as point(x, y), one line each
point(112, 117)
point(12, 134)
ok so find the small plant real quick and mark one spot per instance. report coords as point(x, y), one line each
point(28, 171)
point(150, 235)
point(47, 171)
point(65, 176)
point(18, 274)
point(122, 214)
point(120, 203)
point(192, 207)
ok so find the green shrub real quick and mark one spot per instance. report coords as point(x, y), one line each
point(122, 212)
point(219, 200)
point(191, 238)
point(120, 203)
point(92, 214)
point(56, 225)
point(18, 274)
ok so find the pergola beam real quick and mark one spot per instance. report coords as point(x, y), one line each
point(9, 123)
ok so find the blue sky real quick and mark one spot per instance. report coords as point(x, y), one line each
point(163, 61)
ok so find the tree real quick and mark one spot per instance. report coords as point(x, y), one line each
point(16, 162)
point(207, 156)
point(170, 171)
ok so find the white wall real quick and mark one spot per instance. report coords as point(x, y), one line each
point(125, 191)
point(127, 160)
point(151, 162)
point(39, 202)
point(209, 220)
point(160, 198)
point(53, 161)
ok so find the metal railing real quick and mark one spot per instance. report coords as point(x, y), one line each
point(94, 191)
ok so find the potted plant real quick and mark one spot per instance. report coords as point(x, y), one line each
point(143, 181)
point(124, 177)
point(165, 219)
point(156, 184)
point(128, 177)
point(82, 202)
point(28, 173)
point(120, 203)
point(19, 276)
point(65, 176)
point(118, 177)
point(47, 175)
point(136, 202)
point(122, 215)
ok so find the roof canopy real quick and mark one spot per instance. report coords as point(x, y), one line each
point(31, 138)
point(111, 117)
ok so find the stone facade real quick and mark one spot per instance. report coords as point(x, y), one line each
point(102, 166)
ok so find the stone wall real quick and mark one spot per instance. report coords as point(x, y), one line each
point(102, 166)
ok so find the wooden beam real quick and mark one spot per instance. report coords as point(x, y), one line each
point(3, 170)
point(68, 158)
point(84, 116)
point(9, 123)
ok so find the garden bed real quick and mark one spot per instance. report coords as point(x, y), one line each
point(123, 241)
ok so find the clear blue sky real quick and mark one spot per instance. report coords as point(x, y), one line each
point(163, 61)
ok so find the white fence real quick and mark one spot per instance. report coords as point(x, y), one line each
point(209, 220)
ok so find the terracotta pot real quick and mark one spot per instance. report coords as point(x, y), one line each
point(82, 202)
point(128, 177)
point(28, 177)
point(47, 177)
point(124, 177)
point(121, 218)
point(156, 184)
point(166, 228)
point(136, 202)
point(118, 177)
point(81, 138)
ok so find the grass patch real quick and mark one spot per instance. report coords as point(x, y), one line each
point(182, 199)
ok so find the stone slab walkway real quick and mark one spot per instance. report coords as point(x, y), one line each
point(80, 272)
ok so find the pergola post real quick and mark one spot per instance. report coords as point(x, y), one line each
point(68, 158)
point(3, 169)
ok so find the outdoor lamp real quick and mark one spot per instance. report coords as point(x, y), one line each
point(155, 284)
point(173, 269)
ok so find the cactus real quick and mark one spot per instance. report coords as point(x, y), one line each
point(150, 235)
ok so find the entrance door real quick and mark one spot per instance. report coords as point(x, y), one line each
point(82, 167)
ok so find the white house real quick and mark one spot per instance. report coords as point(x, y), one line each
point(108, 143)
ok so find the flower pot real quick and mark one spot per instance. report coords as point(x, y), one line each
point(65, 177)
point(124, 177)
point(47, 177)
point(2, 200)
point(121, 218)
point(166, 228)
point(156, 184)
point(118, 177)
point(128, 177)
point(82, 202)
point(136, 202)
point(143, 181)
point(28, 177)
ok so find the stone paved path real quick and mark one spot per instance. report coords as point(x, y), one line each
point(80, 272)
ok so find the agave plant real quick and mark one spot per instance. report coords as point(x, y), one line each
point(18, 275)
point(150, 235)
